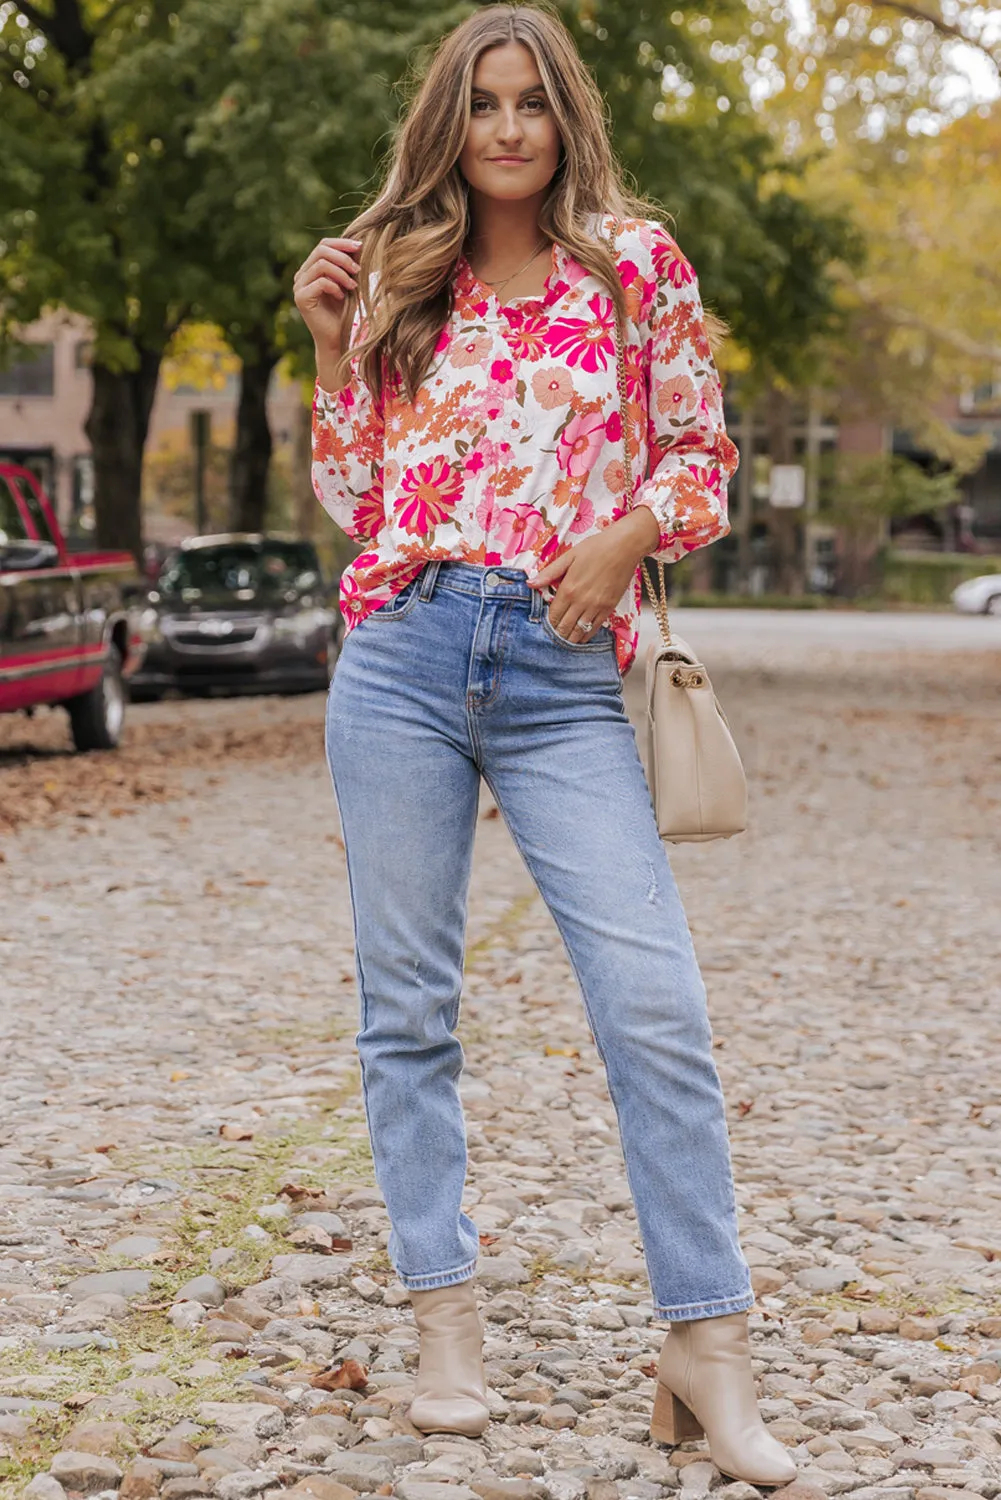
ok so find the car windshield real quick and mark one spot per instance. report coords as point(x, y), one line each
point(244, 569)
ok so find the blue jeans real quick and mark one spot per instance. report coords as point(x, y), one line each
point(462, 675)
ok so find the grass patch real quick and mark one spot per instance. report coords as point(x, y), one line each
point(223, 1191)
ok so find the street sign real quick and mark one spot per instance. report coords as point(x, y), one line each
point(787, 486)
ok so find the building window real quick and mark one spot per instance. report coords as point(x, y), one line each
point(30, 373)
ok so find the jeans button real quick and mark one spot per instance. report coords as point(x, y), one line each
point(491, 579)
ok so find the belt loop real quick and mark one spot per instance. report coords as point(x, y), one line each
point(538, 604)
point(429, 579)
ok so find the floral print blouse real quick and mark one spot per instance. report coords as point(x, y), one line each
point(512, 450)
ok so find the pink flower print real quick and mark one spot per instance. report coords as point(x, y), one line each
point(710, 478)
point(502, 370)
point(551, 388)
point(613, 427)
point(526, 338)
point(474, 463)
point(354, 603)
point(443, 340)
point(669, 264)
point(430, 493)
point(369, 515)
point(390, 474)
point(518, 528)
point(589, 343)
point(470, 351)
point(628, 272)
point(582, 440)
point(677, 397)
point(575, 272)
point(550, 550)
point(584, 519)
point(485, 510)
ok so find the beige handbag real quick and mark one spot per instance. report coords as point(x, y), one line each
point(696, 779)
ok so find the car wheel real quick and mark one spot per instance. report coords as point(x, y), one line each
point(993, 605)
point(96, 717)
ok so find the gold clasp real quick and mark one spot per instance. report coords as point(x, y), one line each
point(688, 677)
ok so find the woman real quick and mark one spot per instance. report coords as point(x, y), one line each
point(472, 442)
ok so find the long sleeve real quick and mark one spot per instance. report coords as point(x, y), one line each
point(348, 455)
point(691, 457)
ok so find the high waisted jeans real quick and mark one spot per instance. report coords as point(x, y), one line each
point(462, 675)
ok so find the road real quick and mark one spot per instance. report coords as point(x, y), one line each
point(177, 1031)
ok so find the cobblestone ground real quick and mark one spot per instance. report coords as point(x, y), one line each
point(194, 1292)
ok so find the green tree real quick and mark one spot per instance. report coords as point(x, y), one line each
point(90, 222)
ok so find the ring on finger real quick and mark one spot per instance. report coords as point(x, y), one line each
point(585, 624)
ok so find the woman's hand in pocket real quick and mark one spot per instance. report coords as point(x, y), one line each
point(594, 575)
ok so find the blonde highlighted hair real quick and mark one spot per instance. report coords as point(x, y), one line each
point(414, 231)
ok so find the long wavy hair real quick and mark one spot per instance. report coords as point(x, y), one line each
point(415, 229)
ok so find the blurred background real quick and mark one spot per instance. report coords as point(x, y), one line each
point(833, 170)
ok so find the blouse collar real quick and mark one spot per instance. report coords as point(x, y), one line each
point(468, 285)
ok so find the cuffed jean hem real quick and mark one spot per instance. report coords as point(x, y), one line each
point(691, 1312)
point(436, 1279)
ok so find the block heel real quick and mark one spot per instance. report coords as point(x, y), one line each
point(672, 1422)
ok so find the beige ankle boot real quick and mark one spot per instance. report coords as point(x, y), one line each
point(705, 1385)
point(451, 1393)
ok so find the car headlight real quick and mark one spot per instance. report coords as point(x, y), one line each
point(149, 625)
point(290, 628)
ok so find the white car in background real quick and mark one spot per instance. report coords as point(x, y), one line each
point(979, 596)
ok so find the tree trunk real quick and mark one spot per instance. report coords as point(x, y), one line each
point(117, 425)
point(251, 459)
point(304, 504)
point(783, 524)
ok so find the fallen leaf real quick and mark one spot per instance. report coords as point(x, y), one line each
point(296, 1190)
point(236, 1133)
point(103, 1147)
point(79, 1399)
point(179, 1076)
point(341, 1244)
point(349, 1376)
point(744, 1106)
point(561, 1051)
point(256, 882)
point(488, 1239)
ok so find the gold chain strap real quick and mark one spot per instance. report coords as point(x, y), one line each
point(658, 596)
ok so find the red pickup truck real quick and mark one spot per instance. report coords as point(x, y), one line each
point(65, 629)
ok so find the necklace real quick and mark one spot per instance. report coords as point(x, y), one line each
point(496, 285)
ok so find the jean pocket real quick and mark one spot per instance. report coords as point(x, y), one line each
point(400, 604)
point(602, 640)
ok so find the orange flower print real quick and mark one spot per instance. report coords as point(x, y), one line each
point(430, 493)
point(614, 476)
point(677, 397)
point(470, 351)
point(552, 387)
point(512, 450)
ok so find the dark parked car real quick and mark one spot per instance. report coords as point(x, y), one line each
point(242, 611)
point(66, 632)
